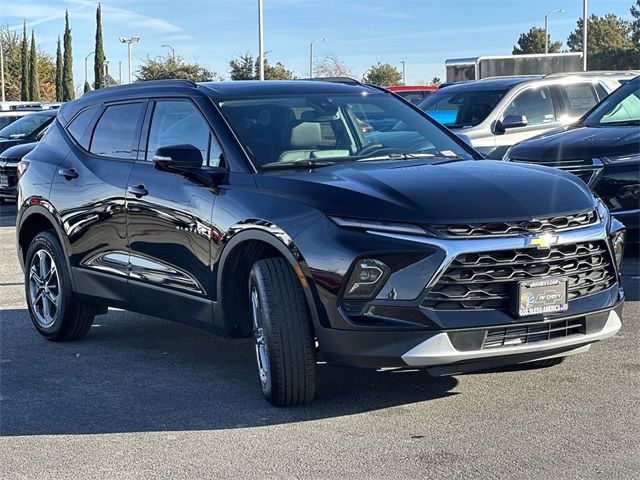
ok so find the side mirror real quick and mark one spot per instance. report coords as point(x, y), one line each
point(513, 121)
point(178, 157)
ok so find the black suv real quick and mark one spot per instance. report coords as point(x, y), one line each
point(265, 209)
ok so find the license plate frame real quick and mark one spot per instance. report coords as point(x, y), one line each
point(541, 297)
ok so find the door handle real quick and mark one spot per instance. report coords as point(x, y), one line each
point(68, 173)
point(138, 191)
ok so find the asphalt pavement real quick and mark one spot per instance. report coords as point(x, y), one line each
point(146, 398)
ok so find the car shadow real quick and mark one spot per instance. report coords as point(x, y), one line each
point(631, 272)
point(135, 373)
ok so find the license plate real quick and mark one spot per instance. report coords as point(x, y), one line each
point(4, 181)
point(542, 296)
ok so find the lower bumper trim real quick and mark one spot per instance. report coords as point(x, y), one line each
point(438, 349)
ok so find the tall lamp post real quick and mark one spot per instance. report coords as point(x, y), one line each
point(311, 54)
point(260, 41)
point(86, 70)
point(129, 41)
point(173, 52)
point(584, 35)
point(546, 27)
point(404, 77)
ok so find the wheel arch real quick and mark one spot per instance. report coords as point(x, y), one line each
point(34, 220)
point(238, 256)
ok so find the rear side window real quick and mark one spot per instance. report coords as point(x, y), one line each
point(115, 134)
point(579, 98)
point(78, 127)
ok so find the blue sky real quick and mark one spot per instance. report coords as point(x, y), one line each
point(423, 33)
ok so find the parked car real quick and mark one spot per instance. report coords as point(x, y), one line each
point(30, 128)
point(10, 116)
point(260, 209)
point(413, 93)
point(496, 113)
point(9, 160)
point(602, 148)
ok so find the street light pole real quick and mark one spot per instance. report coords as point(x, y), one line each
point(2, 70)
point(311, 54)
point(546, 27)
point(584, 35)
point(129, 41)
point(173, 52)
point(404, 78)
point(260, 41)
point(86, 71)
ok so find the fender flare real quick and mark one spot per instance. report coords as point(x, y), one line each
point(277, 238)
point(55, 221)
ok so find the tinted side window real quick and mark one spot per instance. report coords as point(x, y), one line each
point(178, 122)
point(535, 104)
point(115, 132)
point(78, 127)
point(579, 98)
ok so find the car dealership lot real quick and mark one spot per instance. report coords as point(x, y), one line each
point(141, 397)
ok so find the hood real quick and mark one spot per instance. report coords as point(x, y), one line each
point(18, 151)
point(418, 192)
point(9, 142)
point(579, 142)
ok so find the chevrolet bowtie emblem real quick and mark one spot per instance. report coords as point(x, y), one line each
point(543, 241)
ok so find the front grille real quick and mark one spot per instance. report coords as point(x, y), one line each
point(578, 162)
point(526, 227)
point(488, 280)
point(539, 332)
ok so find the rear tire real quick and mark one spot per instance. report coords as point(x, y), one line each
point(55, 309)
point(283, 334)
point(550, 362)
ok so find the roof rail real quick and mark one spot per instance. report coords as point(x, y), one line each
point(177, 82)
point(596, 73)
point(345, 80)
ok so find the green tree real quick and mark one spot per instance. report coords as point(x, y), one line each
point(242, 68)
point(635, 24)
point(11, 41)
point(606, 33)
point(34, 83)
point(161, 67)
point(24, 78)
point(67, 63)
point(533, 42)
point(435, 81)
point(383, 75)
point(59, 62)
point(274, 72)
point(98, 59)
point(86, 88)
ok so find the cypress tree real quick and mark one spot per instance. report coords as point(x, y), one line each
point(24, 58)
point(34, 84)
point(59, 72)
point(67, 63)
point(98, 59)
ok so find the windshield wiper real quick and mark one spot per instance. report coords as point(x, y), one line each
point(397, 156)
point(304, 164)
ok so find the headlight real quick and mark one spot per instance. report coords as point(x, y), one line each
point(380, 226)
point(617, 243)
point(631, 157)
point(367, 279)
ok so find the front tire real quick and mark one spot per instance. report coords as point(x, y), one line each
point(283, 334)
point(55, 310)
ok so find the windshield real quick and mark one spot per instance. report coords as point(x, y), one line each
point(25, 126)
point(620, 108)
point(458, 109)
point(278, 131)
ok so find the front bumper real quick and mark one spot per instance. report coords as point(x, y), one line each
point(442, 352)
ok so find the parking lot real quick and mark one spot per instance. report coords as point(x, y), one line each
point(147, 398)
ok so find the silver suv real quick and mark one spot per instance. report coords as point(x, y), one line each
point(496, 113)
